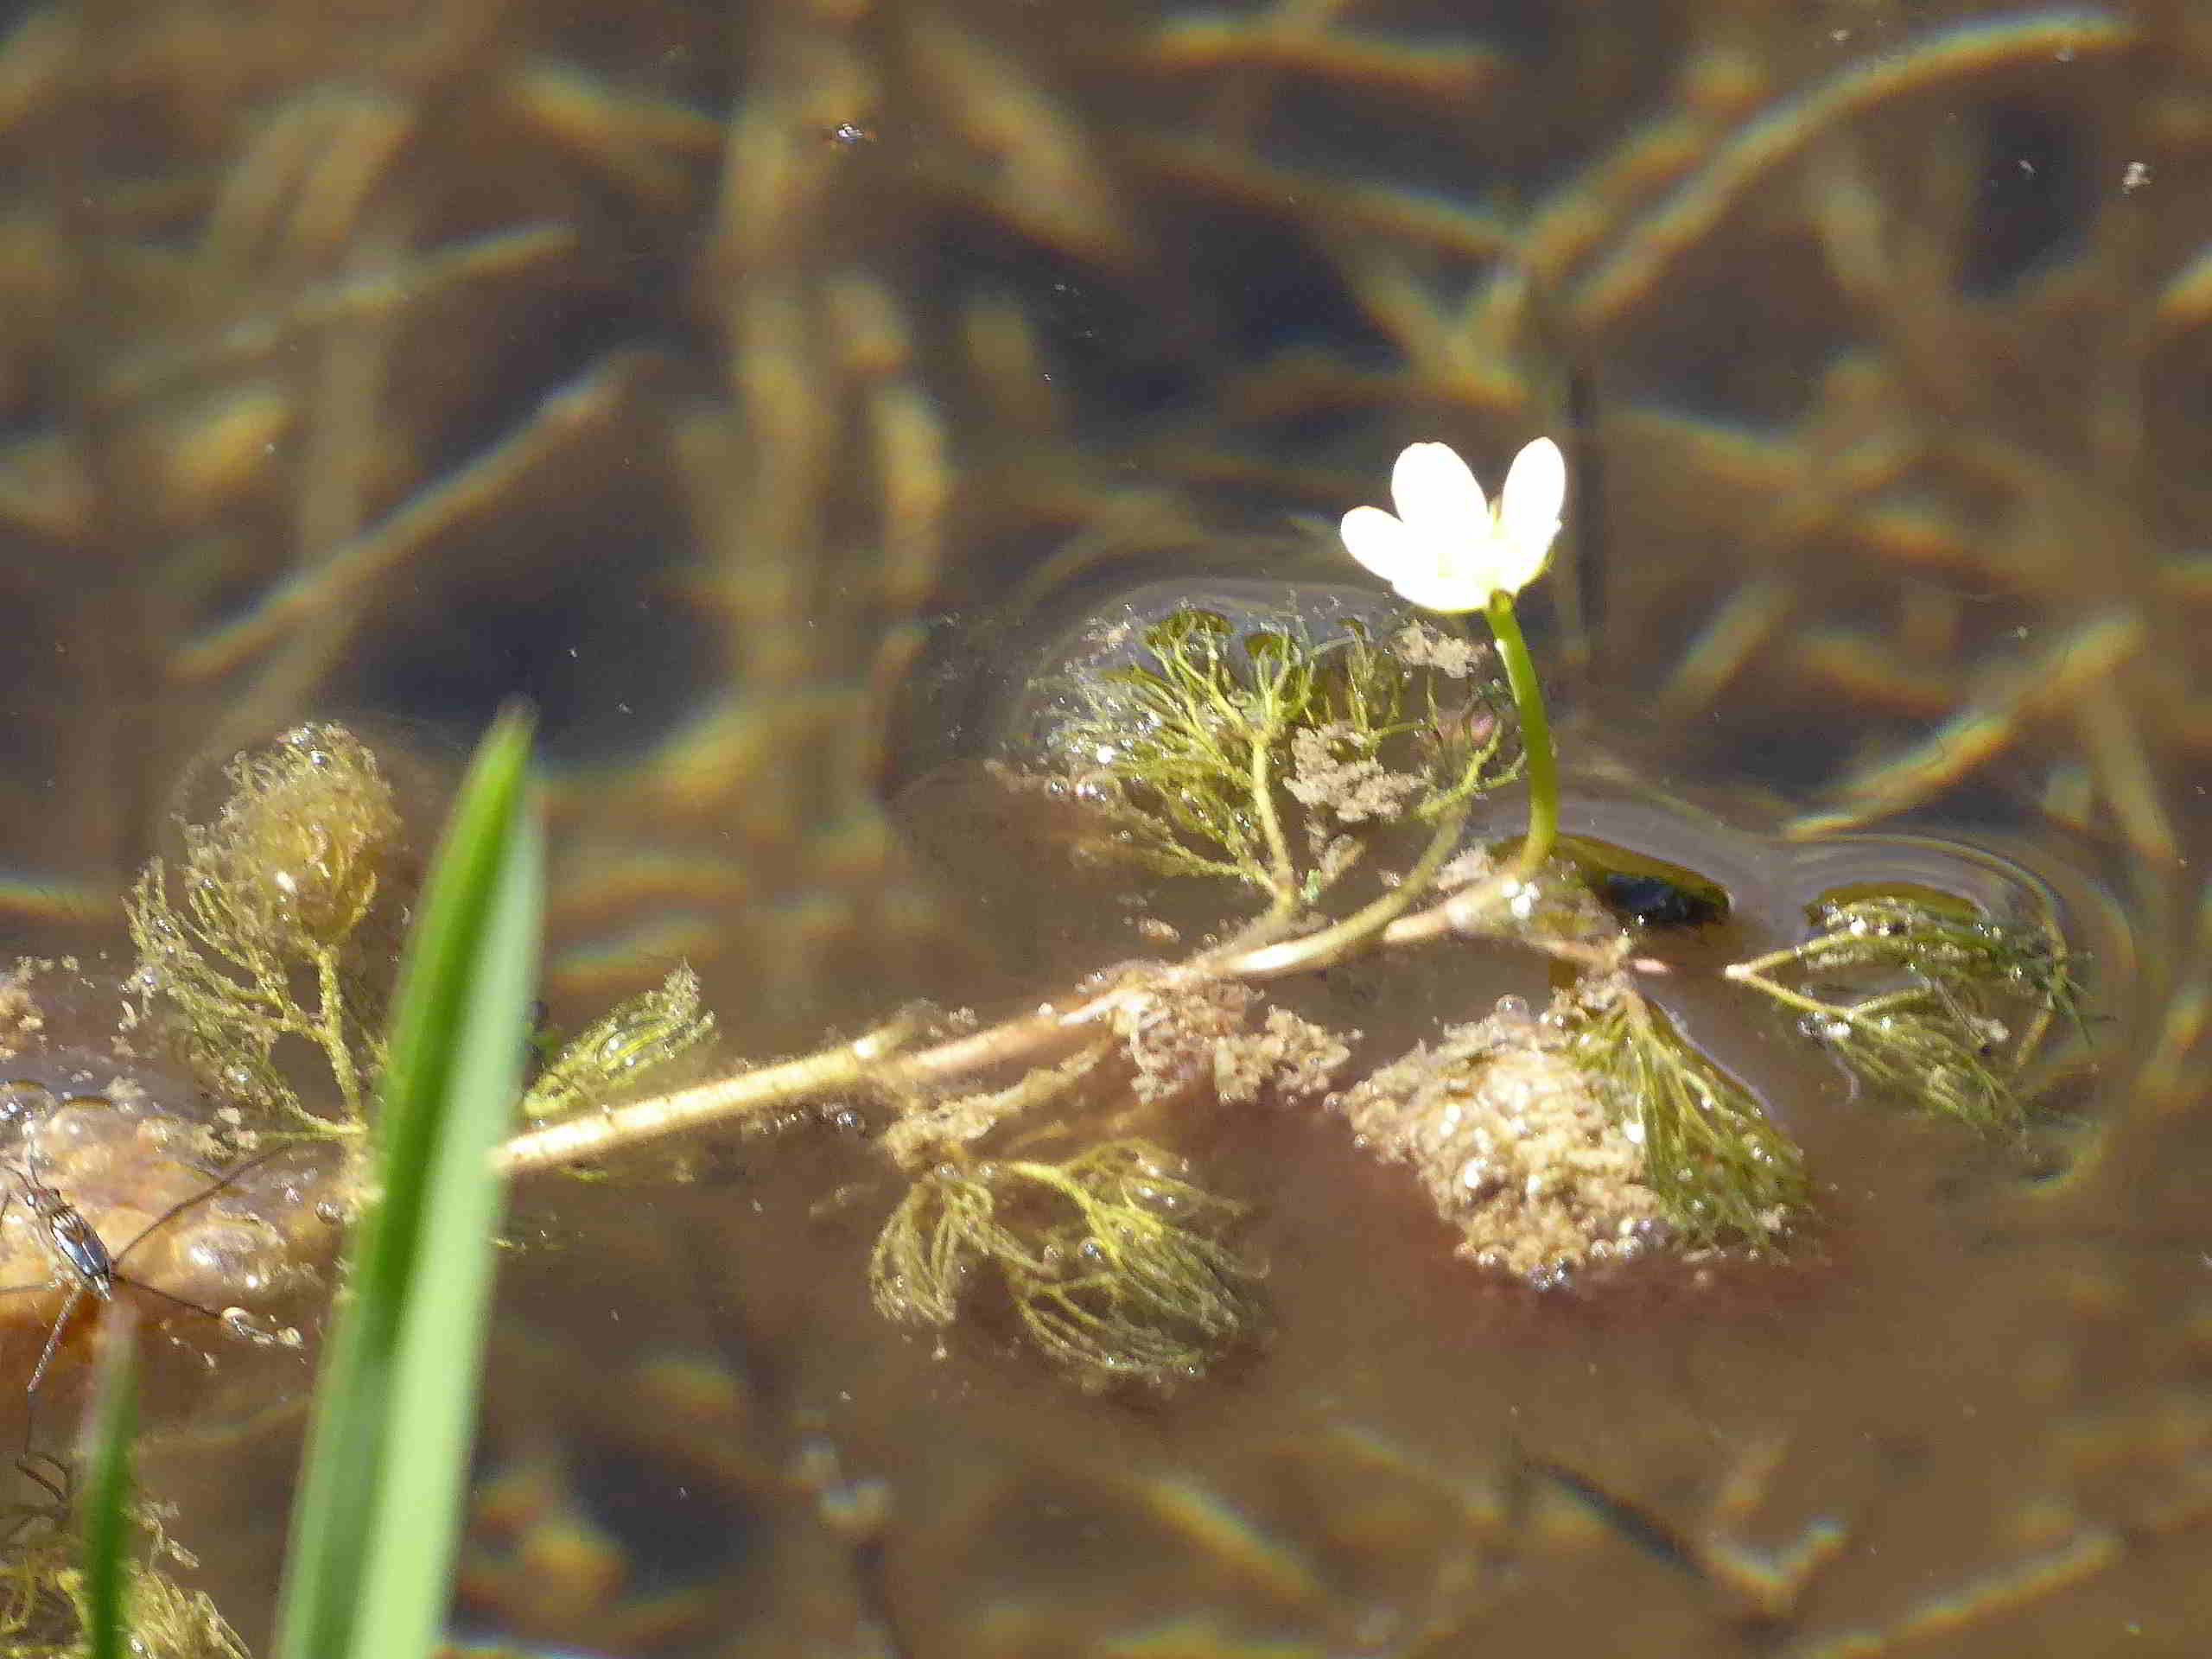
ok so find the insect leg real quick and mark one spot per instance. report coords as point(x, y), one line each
point(205, 1192)
point(45, 1359)
point(180, 1301)
point(57, 1486)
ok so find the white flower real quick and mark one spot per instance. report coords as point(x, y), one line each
point(1447, 549)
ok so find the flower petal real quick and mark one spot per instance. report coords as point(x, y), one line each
point(1447, 595)
point(1379, 542)
point(1435, 492)
point(1529, 507)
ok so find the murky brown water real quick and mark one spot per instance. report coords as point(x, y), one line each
point(752, 384)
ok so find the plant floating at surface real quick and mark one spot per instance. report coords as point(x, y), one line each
point(280, 926)
point(1111, 1261)
point(1725, 1174)
point(1589, 1136)
point(1937, 1026)
point(253, 939)
point(1265, 757)
point(1596, 1132)
point(621, 1048)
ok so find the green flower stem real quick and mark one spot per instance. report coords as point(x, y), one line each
point(1536, 735)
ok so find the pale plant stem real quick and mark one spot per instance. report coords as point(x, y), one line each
point(1757, 966)
point(1043, 1038)
point(926, 1134)
point(330, 1032)
point(594, 1134)
point(1282, 869)
point(1032, 1039)
point(1754, 972)
point(318, 1126)
point(1370, 920)
point(1535, 736)
point(1851, 1013)
point(1746, 972)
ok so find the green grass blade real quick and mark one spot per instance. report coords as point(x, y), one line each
point(378, 1516)
point(109, 1433)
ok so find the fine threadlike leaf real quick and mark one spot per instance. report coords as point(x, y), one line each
point(1111, 1260)
point(1268, 757)
point(1926, 999)
point(1725, 1174)
point(109, 1432)
point(377, 1519)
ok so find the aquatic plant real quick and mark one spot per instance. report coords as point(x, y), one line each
point(1204, 758)
point(1958, 1003)
point(1724, 1173)
point(1189, 757)
point(620, 1049)
point(251, 940)
point(1201, 761)
point(1735, 140)
point(1111, 1261)
point(44, 1597)
point(1592, 1135)
point(262, 937)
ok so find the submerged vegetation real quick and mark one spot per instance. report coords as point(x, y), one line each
point(44, 1598)
point(635, 1039)
point(1111, 1261)
point(1330, 775)
point(1283, 762)
point(1277, 760)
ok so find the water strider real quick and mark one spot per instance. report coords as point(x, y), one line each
point(85, 1264)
